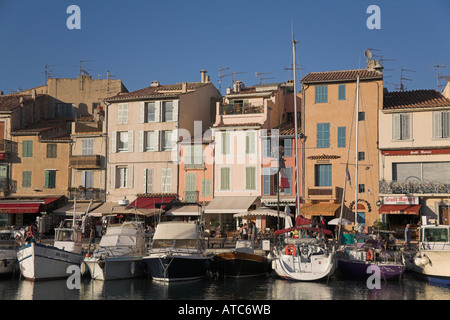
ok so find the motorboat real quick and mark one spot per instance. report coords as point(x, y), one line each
point(9, 243)
point(119, 253)
point(177, 252)
point(368, 255)
point(38, 261)
point(241, 262)
point(432, 260)
point(303, 254)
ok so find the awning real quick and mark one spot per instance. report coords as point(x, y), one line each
point(399, 209)
point(317, 209)
point(150, 202)
point(230, 204)
point(114, 208)
point(184, 211)
point(80, 208)
point(33, 207)
point(261, 211)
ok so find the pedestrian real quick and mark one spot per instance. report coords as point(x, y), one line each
point(99, 227)
point(244, 232)
point(407, 235)
point(91, 238)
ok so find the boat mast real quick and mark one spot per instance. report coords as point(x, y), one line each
point(294, 67)
point(356, 152)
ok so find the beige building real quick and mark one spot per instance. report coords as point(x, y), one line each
point(329, 121)
point(414, 157)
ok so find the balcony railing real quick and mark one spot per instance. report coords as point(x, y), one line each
point(240, 109)
point(190, 196)
point(4, 184)
point(324, 193)
point(85, 162)
point(5, 146)
point(413, 187)
point(87, 194)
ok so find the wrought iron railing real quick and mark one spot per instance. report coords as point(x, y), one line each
point(240, 109)
point(413, 186)
point(87, 194)
point(190, 196)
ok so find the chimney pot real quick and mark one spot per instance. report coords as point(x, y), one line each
point(203, 77)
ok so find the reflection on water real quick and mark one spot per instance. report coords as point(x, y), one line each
point(263, 288)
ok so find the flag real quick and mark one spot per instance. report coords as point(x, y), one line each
point(284, 180)
point(348, 178)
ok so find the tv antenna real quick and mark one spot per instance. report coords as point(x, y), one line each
point(233, 80)
point(48, 73)
point(221, 76)
point(437, 68)
point(402, 78)
point(261, 77)
point(297, 67)
point(83, 69)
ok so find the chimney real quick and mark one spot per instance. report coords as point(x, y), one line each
point(184, 87)
point(208, 80)
point(33, 94)
point(1, 93)
point(203, 77)
point(154, 84)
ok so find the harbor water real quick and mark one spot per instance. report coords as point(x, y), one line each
point(269, 288)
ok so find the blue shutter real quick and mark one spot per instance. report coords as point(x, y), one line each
point(323, 175)
point(342, 92)
point(323, 135)
point(321, 94)
point(266, 175)
point(288, 191)
point(287, 147)
point(342, 137)
point(266, 147)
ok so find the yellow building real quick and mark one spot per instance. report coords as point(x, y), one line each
point(328, 122)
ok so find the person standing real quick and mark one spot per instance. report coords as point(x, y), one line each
point(407, 235)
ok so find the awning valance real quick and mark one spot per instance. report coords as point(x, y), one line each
point(80, 208)
point(150, 202)
point(230, 204)
point(27, 205)
point(184, 211)
point(316, 209)
point(261, 211)
point(399, 209)
point(114, 208)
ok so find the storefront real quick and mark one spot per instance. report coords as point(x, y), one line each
point(398, 211)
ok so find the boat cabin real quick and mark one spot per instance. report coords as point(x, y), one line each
point(176, 235)
point(434, 237)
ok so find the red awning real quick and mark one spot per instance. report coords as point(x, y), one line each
point(33, 207)
point(149, 202)
point(324, 231)
point(400, 208)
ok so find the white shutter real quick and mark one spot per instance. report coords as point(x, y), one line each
point(130, 176)
point(157, 139)
point(141, 141)
point(144, 189)
point(130, 141)
point(445, 124)
point(406, 124)
point(141, 112)
point(437, 129)
point(157, 111)
point(83, 178)
point(114, 142)
point(112, 177)
point(175, 110)
point(395, 127)
point(119, 113)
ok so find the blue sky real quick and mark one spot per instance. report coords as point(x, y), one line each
point(171, 41)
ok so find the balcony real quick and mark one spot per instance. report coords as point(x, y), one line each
point(5, 146)
point(85, 162)
point(324, 193)
point(4, 184)
point(190, 196)
point(237, 109)
point(413, 187)
point(87, 194)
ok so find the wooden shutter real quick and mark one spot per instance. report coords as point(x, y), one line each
point(287, 147)
point(405, 126)
point(141, 112)
point(157, 111)
point(141, 141)
point(175, 110)
point(396, 134)
point(225, 178)
point(114, 142)
point(112, 177)
point(130, 176)
point(130, 141)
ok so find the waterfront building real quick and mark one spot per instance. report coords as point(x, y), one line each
point(414, 147)
point(328, 123)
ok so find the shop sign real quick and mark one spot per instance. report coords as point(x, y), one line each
point(401, 200)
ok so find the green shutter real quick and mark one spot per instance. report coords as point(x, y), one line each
point(250, 173)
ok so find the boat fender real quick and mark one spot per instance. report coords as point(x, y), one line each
point(421, 261)
point(274, 265)
point(290, 250)
point(369, 255)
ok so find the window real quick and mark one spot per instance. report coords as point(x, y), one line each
point(361, 156)
point(123, 176)
point(423, 171)
point(148, 180)
point(250, 142)
point(150, 141)
point(250, 178)
point(401, 126)
point(266, 150)
point(341, 92)
point(323, 175)
point(151, 112)
point(361, 116)
point(26, 179)
point(167, 143)
point(287, 147)
point(342, 137)
point(323, 135)
point(225, 178)
point(321, 94)
point(87, 146)
point(361, 188)
point(206, 187)
point(225, 143)
point(87, 179)
point(168, 114)
point(50, 179)
point(51, 150)
point(166, 180)
point(122, 113)
point(194, 156)
point(268, 178)
point(288, 191)
point(123, 141)
point(27, 149)
point(441, 124)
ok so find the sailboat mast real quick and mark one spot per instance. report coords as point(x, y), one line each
point(297, 184)
point(356, 152)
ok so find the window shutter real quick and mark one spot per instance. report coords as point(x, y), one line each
point(437, 129)
point(288, 191)
point(266, 147)
point(405, 126)
point(266, 182)
point(112, 177)
point(141, 112)
point(157, 139)
point(224, 178)
point(83, 178)
point(175, 110)
point(141, 141)
point(130, 176)
point(130, 141)
point(342, 92)
point(157, 111)
point(114, 142)
point(395, 127)
point(198, 154)
point(144, 189)
point(445, 124)
point(287, 147)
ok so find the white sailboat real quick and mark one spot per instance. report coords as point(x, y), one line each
point(303, 258)
point(8, 250)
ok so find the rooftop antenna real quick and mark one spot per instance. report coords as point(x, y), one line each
point(233, 80)
point(402, 78)
point(261, 77)
point(437, 67)
point(48, 73)
point(83, 69)
point(221, 76)
point(297, 67)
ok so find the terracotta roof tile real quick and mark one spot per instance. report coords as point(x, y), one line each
point(286, 129)
point(39, 127)
point(342, 75)
point(9, 102)
point(414, 99)
point(249, 124)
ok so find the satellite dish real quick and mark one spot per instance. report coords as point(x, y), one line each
point(368, 54)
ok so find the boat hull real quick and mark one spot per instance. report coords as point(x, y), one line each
point(114, 268)
point(291, 268)
point(41, 262)
point(363, 269)
point(241, 265)
point(170, 268)
point(8, 264)
point(434, 266)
